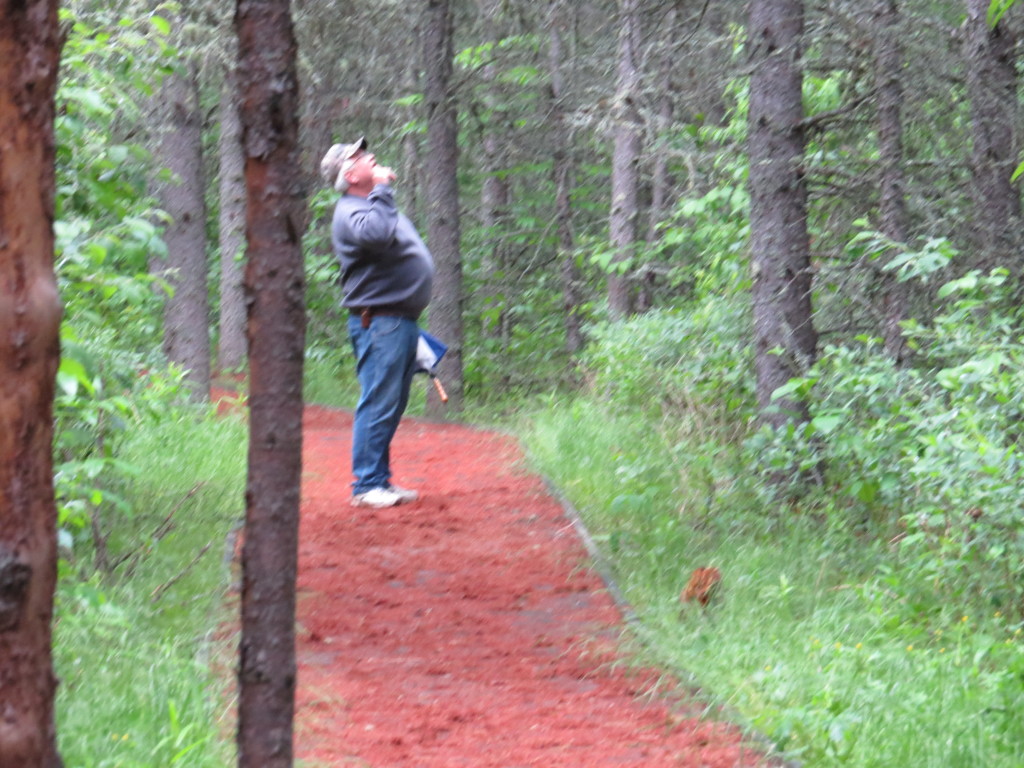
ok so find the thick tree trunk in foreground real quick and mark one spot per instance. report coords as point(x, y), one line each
point(187, 311)
point(990, 59)
point(275, 290)
point(231, 346)
point(30, 315)
point(442, 204)
point(622, 223)
point(784, 335)
point(892, 198)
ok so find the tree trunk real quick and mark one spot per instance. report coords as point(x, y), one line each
point(231, 348)
point(990, 59)
point(562, 20)
point(892, 198)
point(179, 151)
point(784, 335)
point(274, 285)
point(411, 168)
point(442, 205)
point(661, 181)
point(30, 314)
point(496, 194)
point(625, 158)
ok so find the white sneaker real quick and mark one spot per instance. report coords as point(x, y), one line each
point(407, 494)
point(378, 498)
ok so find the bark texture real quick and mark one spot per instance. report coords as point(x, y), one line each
point(30, 314)
point(990, 59)
point(496, 195)
point(182, 196)
point(661, 182)
point(892, 185)
point(625, 159)
point(274, 284)
point(412, 169)
point(231, 344)
point(442, 204)
point(562, 24)
point(784, 334)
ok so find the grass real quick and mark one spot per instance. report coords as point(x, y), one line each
point(329, 378)
point(822, 640)
point(135, 649)
point(811, 640)
point(140, 652)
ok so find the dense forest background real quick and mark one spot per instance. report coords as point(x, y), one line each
point(601, 164)
point(745, 276)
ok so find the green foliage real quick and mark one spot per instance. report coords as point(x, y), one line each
point(516, 346)
point(677, 364)
point(105, 233)
point(702, 245)
point(924, 264)
point(141, 574)
point(886, 597)
point(997, 9)
point(705, 244)
point(927, 455)
point(490, 52)
point(845, 667)
point(133, 642)
point(106, 228)
point(329, 377)
point(327, 331)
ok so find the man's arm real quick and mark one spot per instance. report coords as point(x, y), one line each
point(375, 223)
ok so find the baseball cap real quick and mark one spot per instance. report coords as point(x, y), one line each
point(333, 164)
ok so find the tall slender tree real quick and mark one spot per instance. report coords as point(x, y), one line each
point(182, 195)
point(30, 314)
point(231, 187)
point(784, 335)
point(442, 205)
point(627, 143)
point(661, 128)
point(496, 194)
point(991, 63)
point(892, 184)
point(561, 25)
point(411, 161)
point(274, 284)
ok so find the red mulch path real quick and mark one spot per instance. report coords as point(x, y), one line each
point(465, 629)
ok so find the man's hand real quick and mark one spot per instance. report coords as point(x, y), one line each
point(383, 175)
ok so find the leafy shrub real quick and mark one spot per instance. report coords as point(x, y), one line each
point(838, 645)
point(668, 362)
point(106, 231)
point(927, 455)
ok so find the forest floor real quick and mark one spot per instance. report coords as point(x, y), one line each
point(468, 628)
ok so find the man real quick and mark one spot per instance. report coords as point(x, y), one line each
point(386, 273)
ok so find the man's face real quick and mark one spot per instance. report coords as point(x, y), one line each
point(360, 171)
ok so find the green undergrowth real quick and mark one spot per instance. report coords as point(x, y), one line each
point(813, 638)
point(329, 378)
point(138, 647)
point(870, 610)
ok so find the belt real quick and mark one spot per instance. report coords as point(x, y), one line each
point(368, 313)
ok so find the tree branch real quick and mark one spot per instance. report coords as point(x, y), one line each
point(816, 122)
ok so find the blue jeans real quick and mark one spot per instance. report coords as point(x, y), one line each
point(385, 362)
